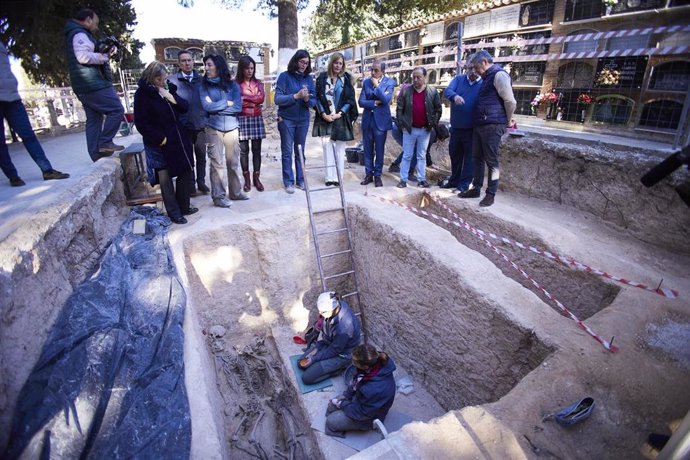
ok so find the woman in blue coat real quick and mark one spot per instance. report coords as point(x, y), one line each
point(220, 98)
point(369, 396)
point(294, 96)
point(168, 149)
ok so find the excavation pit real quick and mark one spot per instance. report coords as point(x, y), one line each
point(250, 278)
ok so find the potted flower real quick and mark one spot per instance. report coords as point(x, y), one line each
point(536, 102)
point(585, 100)
point(607, 77)
point(609, 4)
point(548, 100)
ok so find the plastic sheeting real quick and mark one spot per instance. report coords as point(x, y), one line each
point(110, 379)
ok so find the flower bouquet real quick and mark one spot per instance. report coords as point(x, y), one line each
point(585, 99)
point(610, 2)
point(549, 98)
point(607, 77)
point(536, 102)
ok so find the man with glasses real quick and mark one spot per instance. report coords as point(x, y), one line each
point(375, 99)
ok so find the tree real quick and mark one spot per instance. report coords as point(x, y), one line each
point(33, 32)
point(285, 11)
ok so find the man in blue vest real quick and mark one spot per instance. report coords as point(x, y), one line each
point(462, 93)
point(91, 79)
point(492, 114)
point(187, 81)
point(375, 99)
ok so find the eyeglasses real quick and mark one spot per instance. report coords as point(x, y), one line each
point(304, 61)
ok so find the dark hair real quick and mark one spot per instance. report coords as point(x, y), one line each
point(222, 69)
point(420, 68)
point(300, 54)
point(242, 64)
point(84, 13)
point(368, 356)
point(181, 52)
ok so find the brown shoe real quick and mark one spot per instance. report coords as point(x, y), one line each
point(487, 201)
point(247, 182)
point(367, 180)
point(257, 183)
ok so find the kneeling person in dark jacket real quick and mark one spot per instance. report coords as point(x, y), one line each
point(369, 396)
point(341, 333)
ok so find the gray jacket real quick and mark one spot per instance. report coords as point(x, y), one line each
point(8, 82)
point(196, 117)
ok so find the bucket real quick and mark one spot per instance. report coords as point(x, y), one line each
point(352, 154)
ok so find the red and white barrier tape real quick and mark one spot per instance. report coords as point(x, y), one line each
point(609, 346)
point(668, 293)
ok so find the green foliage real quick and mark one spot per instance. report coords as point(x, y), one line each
point(33, 32)
point(268, 7)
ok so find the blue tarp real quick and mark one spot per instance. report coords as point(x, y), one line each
point(110, 380)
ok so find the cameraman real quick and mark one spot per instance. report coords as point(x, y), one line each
point(91, 79)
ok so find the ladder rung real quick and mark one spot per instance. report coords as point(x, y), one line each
point(320, 189)
point(309, 168)
point(328, 210)
point(349, 295)
point(332, 231)
point(336, 253)
point(339, 274)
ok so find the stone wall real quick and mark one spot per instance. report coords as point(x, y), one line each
point(42, 263)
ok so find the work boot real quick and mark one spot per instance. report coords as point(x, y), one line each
point(487, 201)
point(378, 182)
point(367, 180)
point(110, 147)
point(471, 193)
point(247, 181)
point(54, 174)
point(16, 181)
point(257, 183)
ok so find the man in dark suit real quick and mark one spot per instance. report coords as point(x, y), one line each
point(375, 99)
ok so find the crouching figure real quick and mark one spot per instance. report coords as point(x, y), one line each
point(369, 396)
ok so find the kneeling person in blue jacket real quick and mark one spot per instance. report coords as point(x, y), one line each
point(341, 333)
point(369, 396)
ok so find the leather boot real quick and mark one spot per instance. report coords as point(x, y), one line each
point(247, 182)
point(257, 183)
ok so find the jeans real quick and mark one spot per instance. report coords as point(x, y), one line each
point(98, 105)
point(175, 198)
point(414, 143)
point(217, 142)
point(256, 155)
point(333, 151)
point(15, 114)
point(460, 150)
point(292, 136)
point(486, 140)
point(321, 370)
point(198, 137)
point(374, 147)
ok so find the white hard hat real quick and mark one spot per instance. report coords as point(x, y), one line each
point(327, 301)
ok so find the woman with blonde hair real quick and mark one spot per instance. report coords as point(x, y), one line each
point(336, 111)
point(168, 149)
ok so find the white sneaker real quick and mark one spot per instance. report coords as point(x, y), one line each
point(290, 189)
point(222, 202)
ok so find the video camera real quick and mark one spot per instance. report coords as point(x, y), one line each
point(106, 44)
point(666, 167)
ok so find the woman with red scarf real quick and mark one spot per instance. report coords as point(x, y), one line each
point(369, 396)
point(250, 120)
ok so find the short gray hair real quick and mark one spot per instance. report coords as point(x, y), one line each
point(381, 63)
point(468, 61)
point(482, 55)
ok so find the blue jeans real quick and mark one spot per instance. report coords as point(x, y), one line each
point(292, 136)
point(98, 105)
point(321, 370)
point(414, 143)
point(486, 140)
point(460, 150)
point(15, 114)
point(374, 146)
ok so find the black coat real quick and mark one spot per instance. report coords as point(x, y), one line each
point(340, 129)
point(157, 119)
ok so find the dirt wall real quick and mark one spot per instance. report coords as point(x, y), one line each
point(41, 264)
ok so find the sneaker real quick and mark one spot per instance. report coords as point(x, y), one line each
point(54, 174)
point(222, 202)
point(300, 186)
point(393, 168)
point(402, 184)
point(110, 147)
point(423, 184)
point(16, 181)
point(412, 178)
point(378, 182)
point(487, 201)
point(203, 188)
point(290, 189)
point(241, 197)
point(471, 193)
